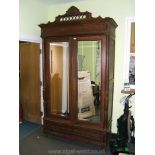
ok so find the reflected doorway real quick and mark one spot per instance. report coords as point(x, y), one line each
point(59, 78)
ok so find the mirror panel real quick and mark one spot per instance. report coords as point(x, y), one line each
point(89, 80)
point(59, 78)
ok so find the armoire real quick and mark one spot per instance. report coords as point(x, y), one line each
point(78, 76)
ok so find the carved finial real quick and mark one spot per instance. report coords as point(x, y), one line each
point(72, 10)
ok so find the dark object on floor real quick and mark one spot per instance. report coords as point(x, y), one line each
point(125, 128)
point(116, 148)
point(26, 128)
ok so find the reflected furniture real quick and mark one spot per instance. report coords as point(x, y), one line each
point(95, 89)
point(75, 44)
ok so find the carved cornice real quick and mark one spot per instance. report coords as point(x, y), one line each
point(73, 15)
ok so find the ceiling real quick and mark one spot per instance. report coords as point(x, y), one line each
point(58, 1)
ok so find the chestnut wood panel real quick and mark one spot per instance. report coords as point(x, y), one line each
point(29, 81)
point(76, 132)
point(111, 67)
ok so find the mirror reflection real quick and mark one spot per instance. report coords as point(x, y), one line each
point(89, 79)
point(59, 75)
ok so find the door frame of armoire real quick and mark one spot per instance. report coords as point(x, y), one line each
point(73, 111)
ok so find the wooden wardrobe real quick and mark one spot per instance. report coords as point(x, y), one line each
point(78, 57)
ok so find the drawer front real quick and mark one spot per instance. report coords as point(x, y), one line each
point(75, 131)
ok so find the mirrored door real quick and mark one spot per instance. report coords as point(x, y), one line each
point(89, 80)
point(59, 78)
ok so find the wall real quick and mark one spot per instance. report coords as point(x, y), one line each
point(118, 10)
point(32, 13)
point(87, 50)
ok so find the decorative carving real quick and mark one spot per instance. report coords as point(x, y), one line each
point(73, 14)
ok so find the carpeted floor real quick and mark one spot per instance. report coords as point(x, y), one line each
point(37, 143)
point(25, 128)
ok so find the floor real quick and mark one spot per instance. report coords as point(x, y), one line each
point(34, 142)
point(25, 128)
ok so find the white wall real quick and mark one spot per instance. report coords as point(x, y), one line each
point(31, 14)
